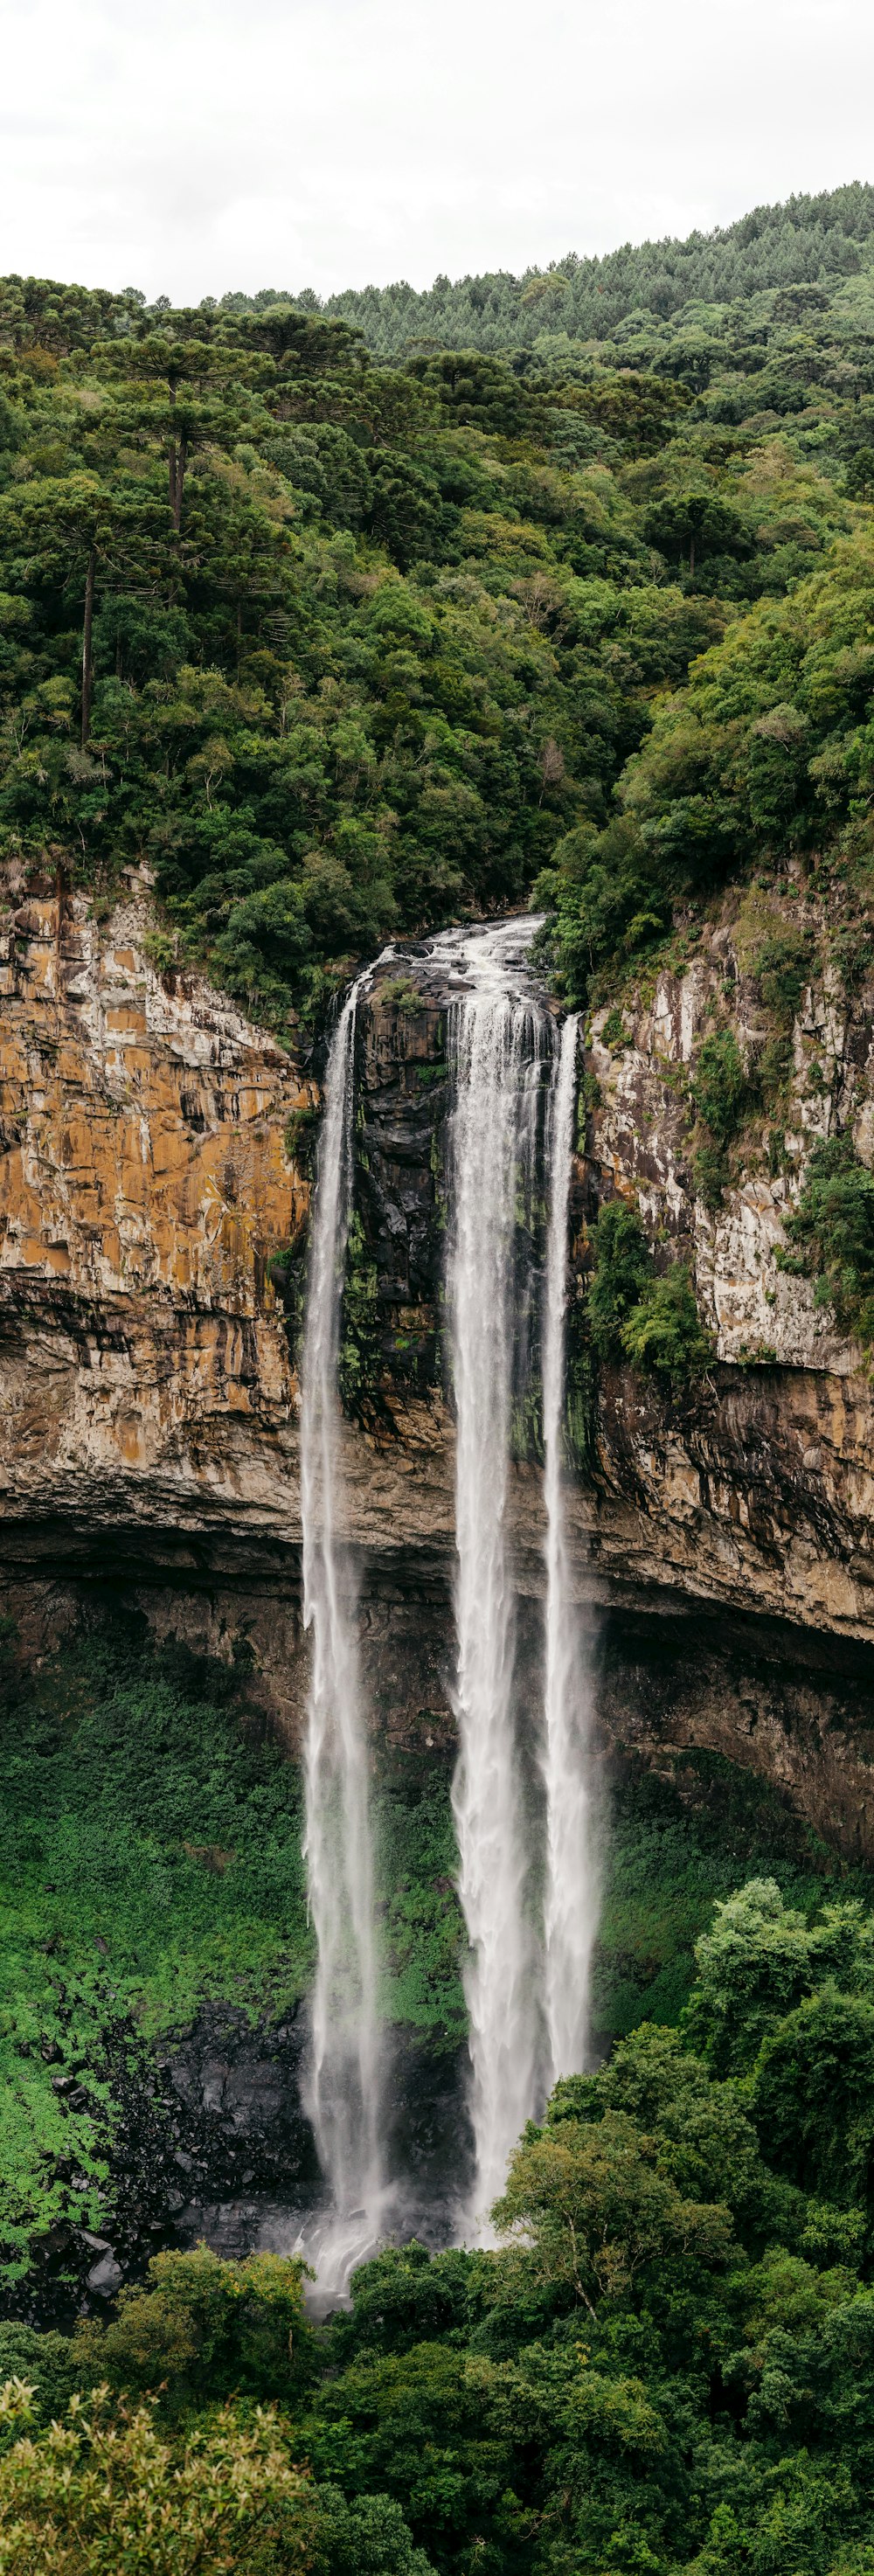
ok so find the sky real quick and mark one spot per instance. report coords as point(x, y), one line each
point(191, 146)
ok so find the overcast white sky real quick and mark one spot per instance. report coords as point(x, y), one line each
point(187, 146)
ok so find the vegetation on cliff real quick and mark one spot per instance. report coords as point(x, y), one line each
point(151, 1875)
point(664, 2369)
point(341, 634)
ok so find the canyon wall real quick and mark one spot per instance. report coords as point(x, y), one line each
point(152, 1233)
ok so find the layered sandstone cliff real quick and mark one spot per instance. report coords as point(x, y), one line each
point(153, 1201)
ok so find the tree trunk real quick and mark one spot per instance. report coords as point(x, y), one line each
point(87, 661)
point(181, 462)
point(177, 461)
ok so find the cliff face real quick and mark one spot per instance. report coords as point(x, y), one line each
point(144, 1366)
point(148, 1412)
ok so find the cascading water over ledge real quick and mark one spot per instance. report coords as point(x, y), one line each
point(571, 1892)
point(509, 1141)
point(496, 1041)
point(345, 2073)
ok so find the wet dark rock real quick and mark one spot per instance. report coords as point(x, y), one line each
point(105, 2277)
point(212, 2115)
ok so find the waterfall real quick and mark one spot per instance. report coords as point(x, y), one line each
point(344, 2090)
point(493, 1045)
point(526, 1998)
point(570, 1896)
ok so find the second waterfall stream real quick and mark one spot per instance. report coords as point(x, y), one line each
point(525, 1875)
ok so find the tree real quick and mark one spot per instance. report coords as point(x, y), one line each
point(104, 2490)
point(202, 2326)
point(67, 529)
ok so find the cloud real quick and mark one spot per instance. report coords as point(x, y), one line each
point(189, 148)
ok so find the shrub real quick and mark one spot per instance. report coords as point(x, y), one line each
point(834, 1226)
point(664, 1330)
point(44, 2362)
point(623, 1264)
point(401, 994)
point(104, 2491)
point(711, 1174)
point(654, 1322)
point(719, 1086)
point(783, 966)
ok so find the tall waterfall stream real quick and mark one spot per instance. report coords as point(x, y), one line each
point(344, 2085)
point(526, 1979)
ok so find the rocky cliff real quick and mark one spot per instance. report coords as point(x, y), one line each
point(153, 1215)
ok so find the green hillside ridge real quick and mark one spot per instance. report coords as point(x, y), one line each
point(343, 639)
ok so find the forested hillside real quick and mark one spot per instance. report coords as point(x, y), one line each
point(340, 647)
point(808, 241)
point(665, 2368)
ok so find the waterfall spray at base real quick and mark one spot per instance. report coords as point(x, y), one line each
point(494, 1047)
point(344, 2088)
point(571, 1893)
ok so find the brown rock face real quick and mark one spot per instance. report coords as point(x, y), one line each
point(144, 1366)
point(148, 1401)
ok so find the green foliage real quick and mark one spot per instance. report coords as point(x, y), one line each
point(685, 301)
point(301, 1131)
point(665, 2365)
point(783, 965)
point(760, 760)
point(719, 1085)
point(676, 1844)
point(653, 1321)
point(104, 2491)
point(663, 1332)
point(401, 994)
point(150, 1842)
point(363, 2536)
point(45, 2363)
point(423, 1923)
point(428, 2426)
point(203, 2328)
point(621, 1273)
point(384, 634)
point(833, 1225)
point(150, 1846)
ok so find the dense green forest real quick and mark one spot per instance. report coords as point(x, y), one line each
point(664, 2368)
point(345, 632)
point(345, 621)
